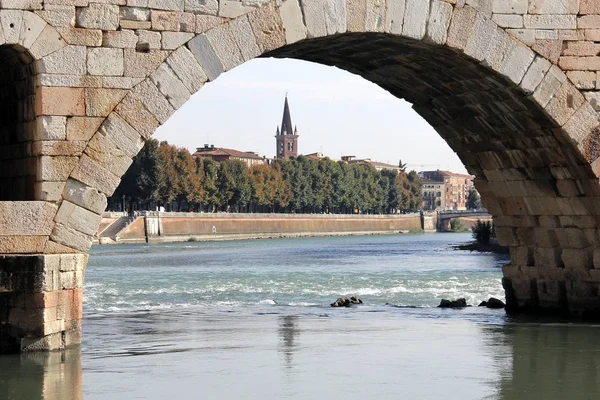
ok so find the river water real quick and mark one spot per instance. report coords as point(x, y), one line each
point(251, 320)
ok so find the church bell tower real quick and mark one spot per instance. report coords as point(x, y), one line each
point(287, 140)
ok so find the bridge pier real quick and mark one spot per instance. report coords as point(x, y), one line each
point(41, 299)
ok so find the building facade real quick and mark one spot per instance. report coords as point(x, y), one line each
point(220, 154)
point(445, 190)
point(286, 137)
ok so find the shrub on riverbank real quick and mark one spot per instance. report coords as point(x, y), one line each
point(482, 232)
point(458, 225)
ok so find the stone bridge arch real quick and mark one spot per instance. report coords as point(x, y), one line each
point(501, 81)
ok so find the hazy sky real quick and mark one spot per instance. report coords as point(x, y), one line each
point(336, 113)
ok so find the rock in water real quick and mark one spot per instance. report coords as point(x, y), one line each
point(458, 303)
point(346, 301)
point(482, 304)
point(494, 303)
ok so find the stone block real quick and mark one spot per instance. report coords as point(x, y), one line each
point(583, 79)
point(22, 244)
point(49, 191)
point(84, 196)
point(68, 80)
point(154, 101)
point(56, 248)
point(58, 15)
point(150, 39)
point(58, 148)
point(26, 218)
point(69, 60)
point(222, 41)
point(323, 18)
point(60, 101)
point(75, 217)
point(553, 7)
point(165, 20)
point(206, 22)
point(581, 127)
point(187, 22)
point(170, 86)
point(31, 29)
point(508, 20)
point(55, 168)
point(82, 128)
point(356, 11)
point(293, 23)
point(395, 16)
point(140, 65)
point(509, 6)
point(589, 7)
point(535, 74)
point(135, 113)
point(101, 102)
point(244, 37)
point(103, 150)
point(46, 343)
point(572, 63)
point(124, 39)
point(135, 13)
point(480, 41)
point(183, 63)
point(94, 174)
point(22, 4)
point(172, 5)
point(461, 27)
point(173, 40)
point(550, 21)
point(207, 7)
point(564, 103)
point(415, 18)
point(105, 61)
point(577, 258)
point(50, 128)
point(527, 36)
point(517, 63)
point(81, 37)
point(11, 22)
point(439, 22)
point(547, 257)
point(549, 86)
point(98, 16)
point(125, 137)
point(120, 82)
point(202, 49)
point(268, 28)
point(135, 25)
point(588, 22)
point(47, 42)
point(233, 8)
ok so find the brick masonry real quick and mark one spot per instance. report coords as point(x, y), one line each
point(513, 86)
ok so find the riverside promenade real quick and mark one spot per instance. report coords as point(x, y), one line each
point(155, 227)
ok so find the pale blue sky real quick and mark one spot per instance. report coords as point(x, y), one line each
point(336, 112)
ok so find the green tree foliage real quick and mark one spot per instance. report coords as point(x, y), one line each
point(473, 200)
point(482, 231)
point(164, 175)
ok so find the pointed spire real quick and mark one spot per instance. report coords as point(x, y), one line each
point(277, 131)
point(286, 122)
point(295, 130)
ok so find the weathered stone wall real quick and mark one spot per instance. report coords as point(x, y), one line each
point(184, 225)
point(511, 85)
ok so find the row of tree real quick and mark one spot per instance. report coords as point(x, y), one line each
point(165, 175)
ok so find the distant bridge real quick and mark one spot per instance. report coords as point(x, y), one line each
point(469, 216)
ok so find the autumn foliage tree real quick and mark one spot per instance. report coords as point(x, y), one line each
point(168, 176)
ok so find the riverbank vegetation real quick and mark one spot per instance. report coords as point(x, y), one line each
point(165, 175)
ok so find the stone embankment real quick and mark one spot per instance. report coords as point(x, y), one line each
point(170, 227)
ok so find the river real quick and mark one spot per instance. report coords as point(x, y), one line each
point(251, 320)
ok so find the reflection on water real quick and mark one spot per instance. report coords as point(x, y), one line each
point(526, 361)
point(47, 376)
point(549, 361)
point(289, 331)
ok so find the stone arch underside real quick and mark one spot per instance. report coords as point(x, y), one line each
point(107, 79)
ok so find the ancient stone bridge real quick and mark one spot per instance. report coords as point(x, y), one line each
point(511, 85)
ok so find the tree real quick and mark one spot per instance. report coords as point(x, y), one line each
point(473, 200)
point(401, 166)
point(189, 189)
point(169, 190)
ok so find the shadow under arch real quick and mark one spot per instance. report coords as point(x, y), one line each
point(509, 136)
point(17, 127)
